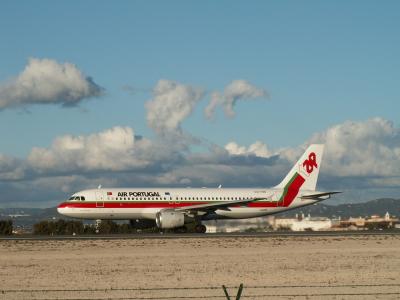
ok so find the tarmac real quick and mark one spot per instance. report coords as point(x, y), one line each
point(206, 235)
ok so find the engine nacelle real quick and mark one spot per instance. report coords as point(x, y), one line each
point(169, 219)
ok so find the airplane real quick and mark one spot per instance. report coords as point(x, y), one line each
point(173, 208)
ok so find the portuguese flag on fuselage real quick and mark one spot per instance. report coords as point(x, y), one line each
point(291, 190)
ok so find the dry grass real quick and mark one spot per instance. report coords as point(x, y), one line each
point(282, 261)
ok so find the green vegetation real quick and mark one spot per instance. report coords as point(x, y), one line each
point(69, 227)
point(62, 227)
point(6, 227)
point(59, 227)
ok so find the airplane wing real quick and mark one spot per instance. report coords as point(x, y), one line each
point(319, 196)
point(219, 205)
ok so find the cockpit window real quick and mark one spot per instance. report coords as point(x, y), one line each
point(77, 198)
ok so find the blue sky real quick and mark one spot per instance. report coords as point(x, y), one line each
point(322, 63)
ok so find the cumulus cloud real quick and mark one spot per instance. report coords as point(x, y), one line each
point(45, 81)
point(172, 103)
point(237, 90)
point(258, 148)
point(368, 148)
point(11, 168)
point(115, 149)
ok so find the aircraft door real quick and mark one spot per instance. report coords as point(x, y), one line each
point(99, 198)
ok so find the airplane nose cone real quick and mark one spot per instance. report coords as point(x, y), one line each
point(61, 208)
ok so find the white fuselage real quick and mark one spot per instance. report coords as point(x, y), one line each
point(144, 203)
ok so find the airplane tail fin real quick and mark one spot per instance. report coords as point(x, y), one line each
point(304, 174)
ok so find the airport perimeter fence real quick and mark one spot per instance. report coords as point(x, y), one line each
point(332, 291)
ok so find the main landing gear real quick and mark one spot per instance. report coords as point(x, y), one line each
point(200, 228)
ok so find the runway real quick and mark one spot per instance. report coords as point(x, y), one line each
point(206, 235)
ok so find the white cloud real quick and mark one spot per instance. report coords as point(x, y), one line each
point(235, 91)
point(172, 103)
point(11, 168)
point(369, 148)
point(258, 149)
point(114, 149)
point(45, 81)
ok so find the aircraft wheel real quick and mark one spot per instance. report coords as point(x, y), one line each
point(200, 228)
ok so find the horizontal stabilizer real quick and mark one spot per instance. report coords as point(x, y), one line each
point(319, 196)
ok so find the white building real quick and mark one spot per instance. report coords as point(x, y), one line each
point(240, 225)
point(303, 224)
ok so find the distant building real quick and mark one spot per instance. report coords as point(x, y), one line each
point(372, 222)
point(301, 223)
point(240, 225)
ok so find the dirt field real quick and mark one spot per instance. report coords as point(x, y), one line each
point(358, 267)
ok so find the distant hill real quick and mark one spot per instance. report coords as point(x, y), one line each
point(26, 217)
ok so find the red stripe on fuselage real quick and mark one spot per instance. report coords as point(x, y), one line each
point(159, 204)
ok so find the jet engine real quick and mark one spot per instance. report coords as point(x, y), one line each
point(169, 219)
